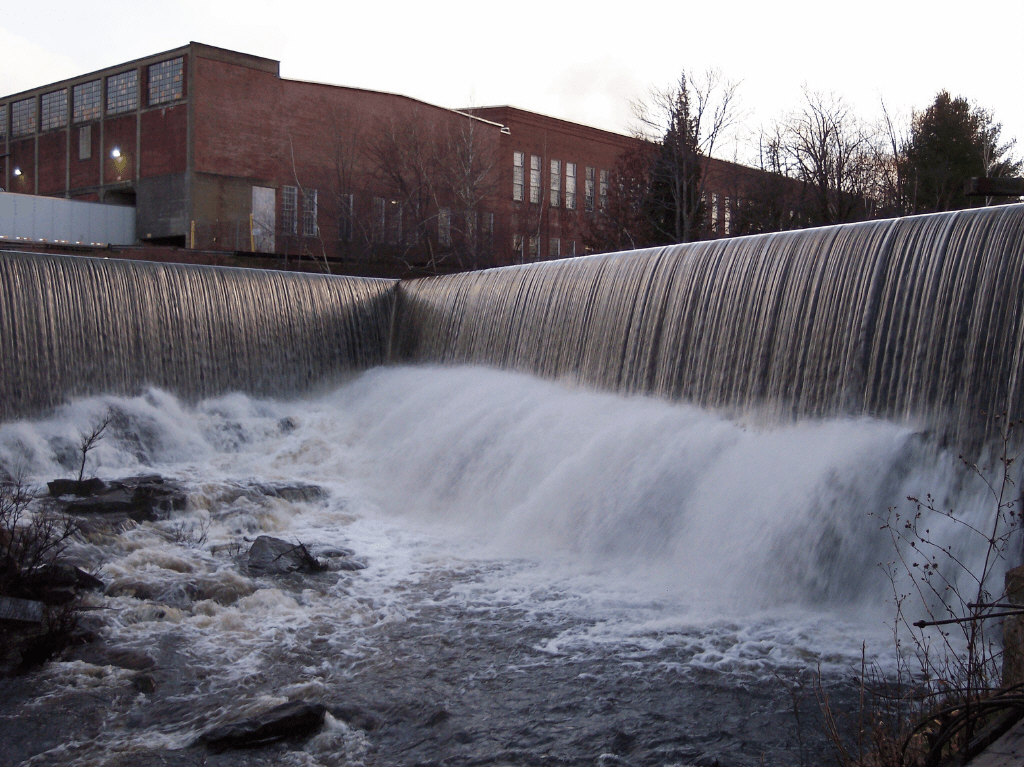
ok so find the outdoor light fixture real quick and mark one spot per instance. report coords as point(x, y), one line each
point(115, 152)
point(17, 171)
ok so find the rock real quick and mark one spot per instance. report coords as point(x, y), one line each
point(62, 576)
point(13, 610)
point(144, 683)
point(144, 498)
point(294, 493)
point(289, 721)
point(81, 488)
point(269, 556)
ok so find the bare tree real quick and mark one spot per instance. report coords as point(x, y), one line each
point(403, 158)
point(466, 161)
point(832, 151)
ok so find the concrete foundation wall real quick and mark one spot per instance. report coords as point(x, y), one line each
point(51, 219)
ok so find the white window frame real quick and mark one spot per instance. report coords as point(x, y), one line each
point(518, 175)
point(534, 179)
point(310, 227)
point(289, 209)
point(556, 183)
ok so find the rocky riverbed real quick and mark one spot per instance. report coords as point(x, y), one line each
point(194, 648)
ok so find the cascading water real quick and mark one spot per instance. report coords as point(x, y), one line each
point(76, 326)
point(915, 319)
point(555, 573)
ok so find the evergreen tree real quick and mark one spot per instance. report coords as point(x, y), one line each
point(950, 142)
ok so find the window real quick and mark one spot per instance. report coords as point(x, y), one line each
point(23, 117)
point(85, 142)
point(604, 189)
point(570, 185)
point(714, 214)
point(86, 99)
point(289, 209)
point(572, 247)
point(3, 121)
point(556, 183)
point(345, 218)
point(517, 246)
point(554, 247)
point(534, 179)
point(444, 227)
point(726, 214)
point(588, 191)
point(469, 231)
point(165, 81)
point(309, 226)
point(534, 246)
point(123, 92)
point(518, 176)
point(55, 109)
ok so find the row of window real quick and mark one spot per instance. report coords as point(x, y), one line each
point(726, 213)
point(165, 82)
point(528, 248)
point(385, 223)
point(557, 196)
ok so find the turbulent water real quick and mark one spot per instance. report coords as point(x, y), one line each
point(553, 575)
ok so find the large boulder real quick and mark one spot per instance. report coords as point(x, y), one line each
point(272, 556)
point(294, 720)
point(144, 498)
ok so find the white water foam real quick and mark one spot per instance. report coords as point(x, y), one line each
point(593, 522)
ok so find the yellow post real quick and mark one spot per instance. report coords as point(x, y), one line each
point(192, 236)
point(252, 236)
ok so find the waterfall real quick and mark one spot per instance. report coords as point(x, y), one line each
point(914, 319)
point(76, 326)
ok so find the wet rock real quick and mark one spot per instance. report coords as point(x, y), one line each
point(295, 493)
point(268, 556)
point(21, 611)
point(62, 576)
point(144, 498)
point(81, 488)
point(144, 683)
point(290, 721)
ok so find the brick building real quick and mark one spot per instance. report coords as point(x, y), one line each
point(216, 151)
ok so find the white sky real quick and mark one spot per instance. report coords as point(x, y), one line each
point(580, 61)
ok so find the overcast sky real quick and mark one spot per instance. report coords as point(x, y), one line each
point(580, 61)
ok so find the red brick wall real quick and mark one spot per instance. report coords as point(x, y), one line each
point(85, 172)
point(164, 141)
point(119, 132)
point(52, 162)
point(238, 120)
point(551, 139)
point(23, 156)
